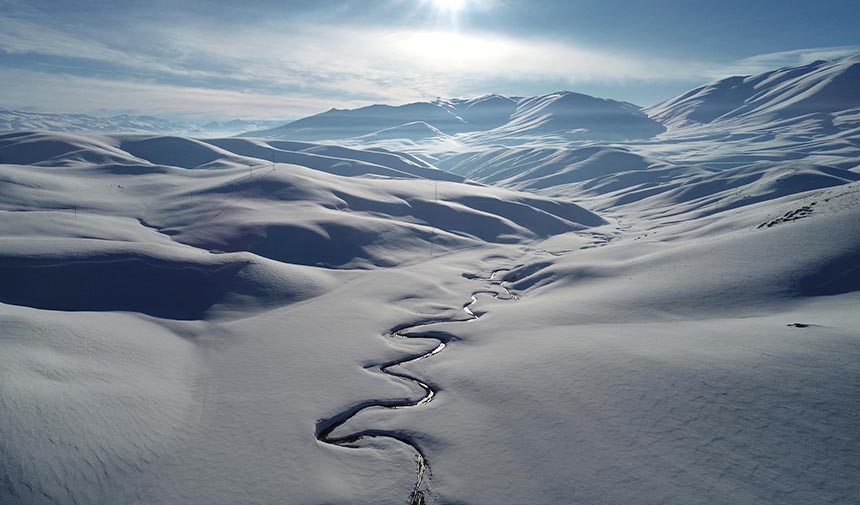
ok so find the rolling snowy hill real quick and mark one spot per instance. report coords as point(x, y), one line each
point(733, 143)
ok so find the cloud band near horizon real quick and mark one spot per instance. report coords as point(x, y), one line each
point(281, 70)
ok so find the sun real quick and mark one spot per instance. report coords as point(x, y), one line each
point(450, 5)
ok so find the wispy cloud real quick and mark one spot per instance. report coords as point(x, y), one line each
point(19, 36)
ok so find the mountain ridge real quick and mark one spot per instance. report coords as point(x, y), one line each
point(566, 113)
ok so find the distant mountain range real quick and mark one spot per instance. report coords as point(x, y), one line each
point(819, 91)
point(11, 120)
point(823, 95)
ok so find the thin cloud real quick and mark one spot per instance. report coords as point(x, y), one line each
point(280, 52)
point(25, 37)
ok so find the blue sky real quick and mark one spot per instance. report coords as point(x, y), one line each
point(285, 59)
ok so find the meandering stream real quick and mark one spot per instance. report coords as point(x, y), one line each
point(326, 427)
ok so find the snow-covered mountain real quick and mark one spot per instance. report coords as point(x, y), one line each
point(11, 120)
point(487, 118)
point(826, 89)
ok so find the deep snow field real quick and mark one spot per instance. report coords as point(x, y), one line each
point(662, 321)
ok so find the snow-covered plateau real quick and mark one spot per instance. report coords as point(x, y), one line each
point(494, 301)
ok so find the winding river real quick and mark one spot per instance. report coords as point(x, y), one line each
point(326, 427)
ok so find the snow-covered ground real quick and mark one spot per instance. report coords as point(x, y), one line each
point(660, 320)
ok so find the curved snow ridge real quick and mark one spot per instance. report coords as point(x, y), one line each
point(326, 427)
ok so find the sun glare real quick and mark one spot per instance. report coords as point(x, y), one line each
point(450, 5)
point(446, 51)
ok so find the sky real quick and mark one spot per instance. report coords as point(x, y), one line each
point(286, 59)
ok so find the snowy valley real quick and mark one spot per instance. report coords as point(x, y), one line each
point(499, 300)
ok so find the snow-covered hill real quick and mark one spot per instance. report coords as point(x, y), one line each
point(11, 120)
point(828, 89)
